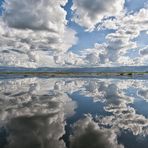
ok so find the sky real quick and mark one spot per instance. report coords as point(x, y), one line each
point(73, 33)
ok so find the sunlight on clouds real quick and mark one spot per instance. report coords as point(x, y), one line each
point(88, 13)
point(36, 33)
point(118, 44)
point(32, 33)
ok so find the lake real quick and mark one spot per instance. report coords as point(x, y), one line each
point(73, 113)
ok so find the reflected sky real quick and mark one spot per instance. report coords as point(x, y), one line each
point(73, 113)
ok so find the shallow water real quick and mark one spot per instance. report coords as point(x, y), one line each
point(73, 113)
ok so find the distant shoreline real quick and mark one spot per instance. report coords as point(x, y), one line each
point(74, 74)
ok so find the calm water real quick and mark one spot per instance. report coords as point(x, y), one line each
point(73, 113)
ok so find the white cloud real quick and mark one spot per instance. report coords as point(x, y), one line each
point(34, 33)
point(35, 14)
point(125, 60)
point(88, 13)
point(33, 45)
point(98, 55)
point(123, 40)
point(120, 41)
point(30, 30)
point(128, 27)
point(131, 24)
point(117, 45)
point(68, 59)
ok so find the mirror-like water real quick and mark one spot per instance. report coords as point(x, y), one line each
point(73, 113)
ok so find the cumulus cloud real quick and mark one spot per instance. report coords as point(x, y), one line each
point(69, 58)
point(121, 42)
point(92, 58)
point(118, 44)
point(35, 33)
point(33, 45)
point(96, 55)
point(30, 30)
point(131, 23)
point(35, 14)
point(127, 28)
point(88, 13)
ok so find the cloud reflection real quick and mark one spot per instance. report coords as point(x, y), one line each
point(36, 132)
point(37, 109)
point(88, 134)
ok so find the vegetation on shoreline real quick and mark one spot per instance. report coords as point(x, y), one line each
point(64, 74)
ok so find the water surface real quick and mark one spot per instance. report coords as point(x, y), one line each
point(73, 113)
